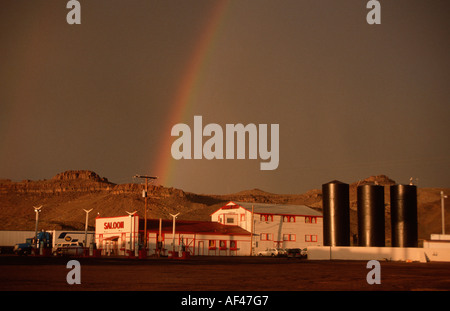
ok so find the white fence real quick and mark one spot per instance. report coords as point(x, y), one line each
point(378, 253)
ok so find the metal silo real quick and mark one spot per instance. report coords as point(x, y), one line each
point(404, 215)
point(336, 214)
point(370, 215)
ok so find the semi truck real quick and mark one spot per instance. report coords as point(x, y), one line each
point(44, 241)
point(22, 242)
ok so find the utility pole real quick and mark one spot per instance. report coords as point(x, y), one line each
point(37, 210)
point(144, 194)
point(442, 211)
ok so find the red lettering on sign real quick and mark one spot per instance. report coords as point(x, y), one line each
point(114, 225)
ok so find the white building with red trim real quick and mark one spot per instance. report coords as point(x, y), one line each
point(202, 238)
point(113, 236)
point(274, 225)
point(117, 235)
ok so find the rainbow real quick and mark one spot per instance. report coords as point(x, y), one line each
point(164, 165)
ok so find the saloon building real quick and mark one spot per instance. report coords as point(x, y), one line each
point(203, 238)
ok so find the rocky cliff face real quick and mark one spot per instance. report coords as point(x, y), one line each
point(68, 193)
point(80, 175)
point(84, 181)
point(153, 191)
point(69, 181)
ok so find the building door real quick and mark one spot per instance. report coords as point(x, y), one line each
point(200, 248)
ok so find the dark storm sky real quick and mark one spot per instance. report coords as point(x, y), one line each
point(352, 100)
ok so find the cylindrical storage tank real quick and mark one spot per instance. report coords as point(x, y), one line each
point(370, 204)
point(404, 215)
point(336, 214)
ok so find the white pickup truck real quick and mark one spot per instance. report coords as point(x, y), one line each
point(269, 252)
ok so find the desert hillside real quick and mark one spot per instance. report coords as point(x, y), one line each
point(66, 195)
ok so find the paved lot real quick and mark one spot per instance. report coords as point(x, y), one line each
point(217, 274)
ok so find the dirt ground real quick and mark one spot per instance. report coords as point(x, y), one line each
point(264, 283)
point(32, 273)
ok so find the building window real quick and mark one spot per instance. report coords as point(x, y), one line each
point(242, 217)
point(266, 217)
point(222, 244)
point(310, 238)
point(288, 218)
point(265, 236)
point(233, 245)
point(212, 244)
point(230, 220)
point(310, 220)
point(289, 237)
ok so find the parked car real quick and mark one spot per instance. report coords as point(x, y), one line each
point(294, 252)
point(281, 252)
point(269, 252)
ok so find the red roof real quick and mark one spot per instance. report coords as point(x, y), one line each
point(192, 226)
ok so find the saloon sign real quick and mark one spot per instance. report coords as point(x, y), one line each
point(114, 225)
point(118, 224)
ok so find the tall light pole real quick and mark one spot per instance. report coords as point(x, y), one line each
point(146, 203)
point(173, 232)
point(86, 226)
point(131, 230)
point(37, 210)
point(442, 211)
